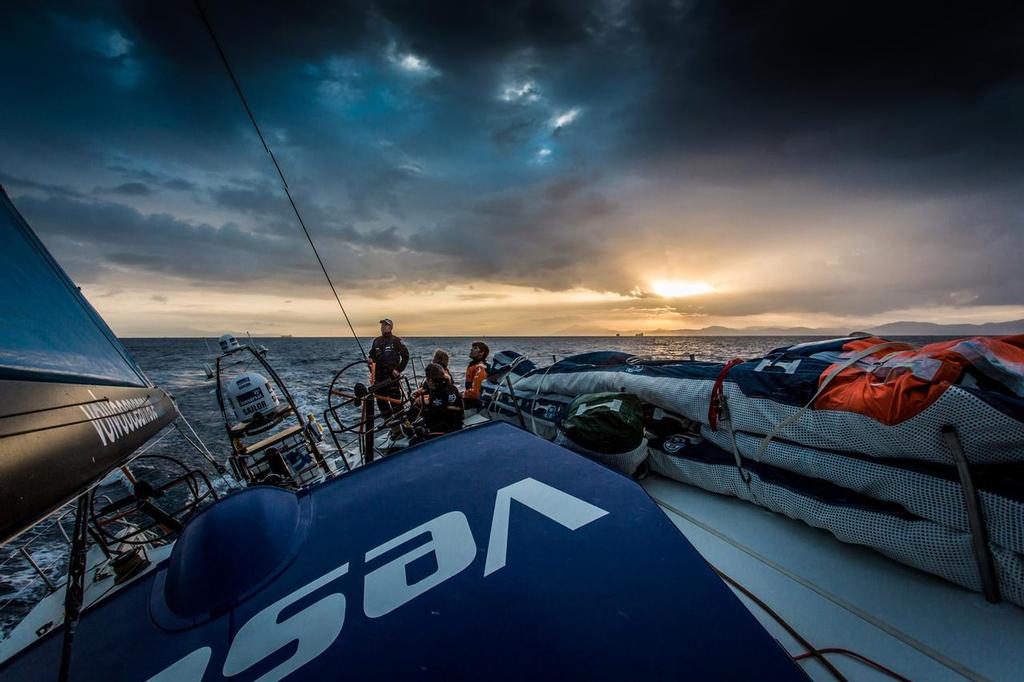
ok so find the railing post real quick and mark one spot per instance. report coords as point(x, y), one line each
point(32, 562)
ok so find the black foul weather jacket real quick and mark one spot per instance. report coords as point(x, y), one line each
point(388, 353)
point(443, 411)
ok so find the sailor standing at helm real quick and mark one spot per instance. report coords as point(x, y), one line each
point(389, 357)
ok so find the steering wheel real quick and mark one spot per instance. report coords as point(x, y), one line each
point(153, 511)
point(349, 389)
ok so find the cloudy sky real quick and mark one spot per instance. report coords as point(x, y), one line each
point(523, 167)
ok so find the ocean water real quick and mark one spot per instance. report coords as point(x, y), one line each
point(307, 365)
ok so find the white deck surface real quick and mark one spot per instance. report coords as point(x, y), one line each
point(840, 595)
point(99, 584)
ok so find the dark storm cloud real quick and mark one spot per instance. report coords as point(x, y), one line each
point(929, 95)
point(831, 83)
point(144, 176)
point(450, 32)
point(180, 185)
point(550, 236)
point(121, 235)
point(26, 183)
point(129, 189)
point(100, 237)
point(523, 142)
point(268, 205)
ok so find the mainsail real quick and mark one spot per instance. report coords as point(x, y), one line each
point(73, 403)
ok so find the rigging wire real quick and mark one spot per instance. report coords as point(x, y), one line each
point(200, 447)
point(277, 166)
point(150, 445)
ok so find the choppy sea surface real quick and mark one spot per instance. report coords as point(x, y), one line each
point(307, 365)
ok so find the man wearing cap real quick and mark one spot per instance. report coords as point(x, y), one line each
point(389, 357)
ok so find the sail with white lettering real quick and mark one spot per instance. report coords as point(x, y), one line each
point(73, 403)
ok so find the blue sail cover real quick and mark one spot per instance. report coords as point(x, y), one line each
point(489, 554)
point(49, 331)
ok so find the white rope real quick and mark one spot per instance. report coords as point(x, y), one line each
point(200, 440)
point(152, 444)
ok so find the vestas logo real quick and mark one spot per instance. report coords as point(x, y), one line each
point(114, 419)
point(447, 538)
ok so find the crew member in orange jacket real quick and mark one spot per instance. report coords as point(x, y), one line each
point(476, 372)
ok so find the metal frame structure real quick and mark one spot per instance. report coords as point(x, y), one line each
point(240, 453)
point(164, 523)
point(365, 398)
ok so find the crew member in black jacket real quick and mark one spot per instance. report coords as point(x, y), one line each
point(389, 356)
point(441, 405)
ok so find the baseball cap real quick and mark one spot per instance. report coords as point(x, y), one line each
point(386, 320)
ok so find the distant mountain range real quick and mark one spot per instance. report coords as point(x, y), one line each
point(750, 331)
point(929, 329)
point(890, 329)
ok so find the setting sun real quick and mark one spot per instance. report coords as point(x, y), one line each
point(677, 288)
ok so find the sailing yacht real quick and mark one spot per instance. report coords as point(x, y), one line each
point(493, 552)
point(904, 557)
point(488, 554)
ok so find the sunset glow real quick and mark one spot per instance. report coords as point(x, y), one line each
point(486, 171)
point(679, 288)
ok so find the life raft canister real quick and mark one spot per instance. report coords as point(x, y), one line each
point(249, 395)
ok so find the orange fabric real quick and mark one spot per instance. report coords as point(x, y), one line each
point(475, 375)
point(1009, 349)
point(868, 341)
point(910, 380)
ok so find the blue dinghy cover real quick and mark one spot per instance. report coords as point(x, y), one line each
point(488, 554)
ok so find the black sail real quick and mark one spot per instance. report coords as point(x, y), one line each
point(73, 403)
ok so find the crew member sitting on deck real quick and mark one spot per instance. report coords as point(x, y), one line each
point(389, 357)
point(476, 372)
point(441, 357)
point(442, 405)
